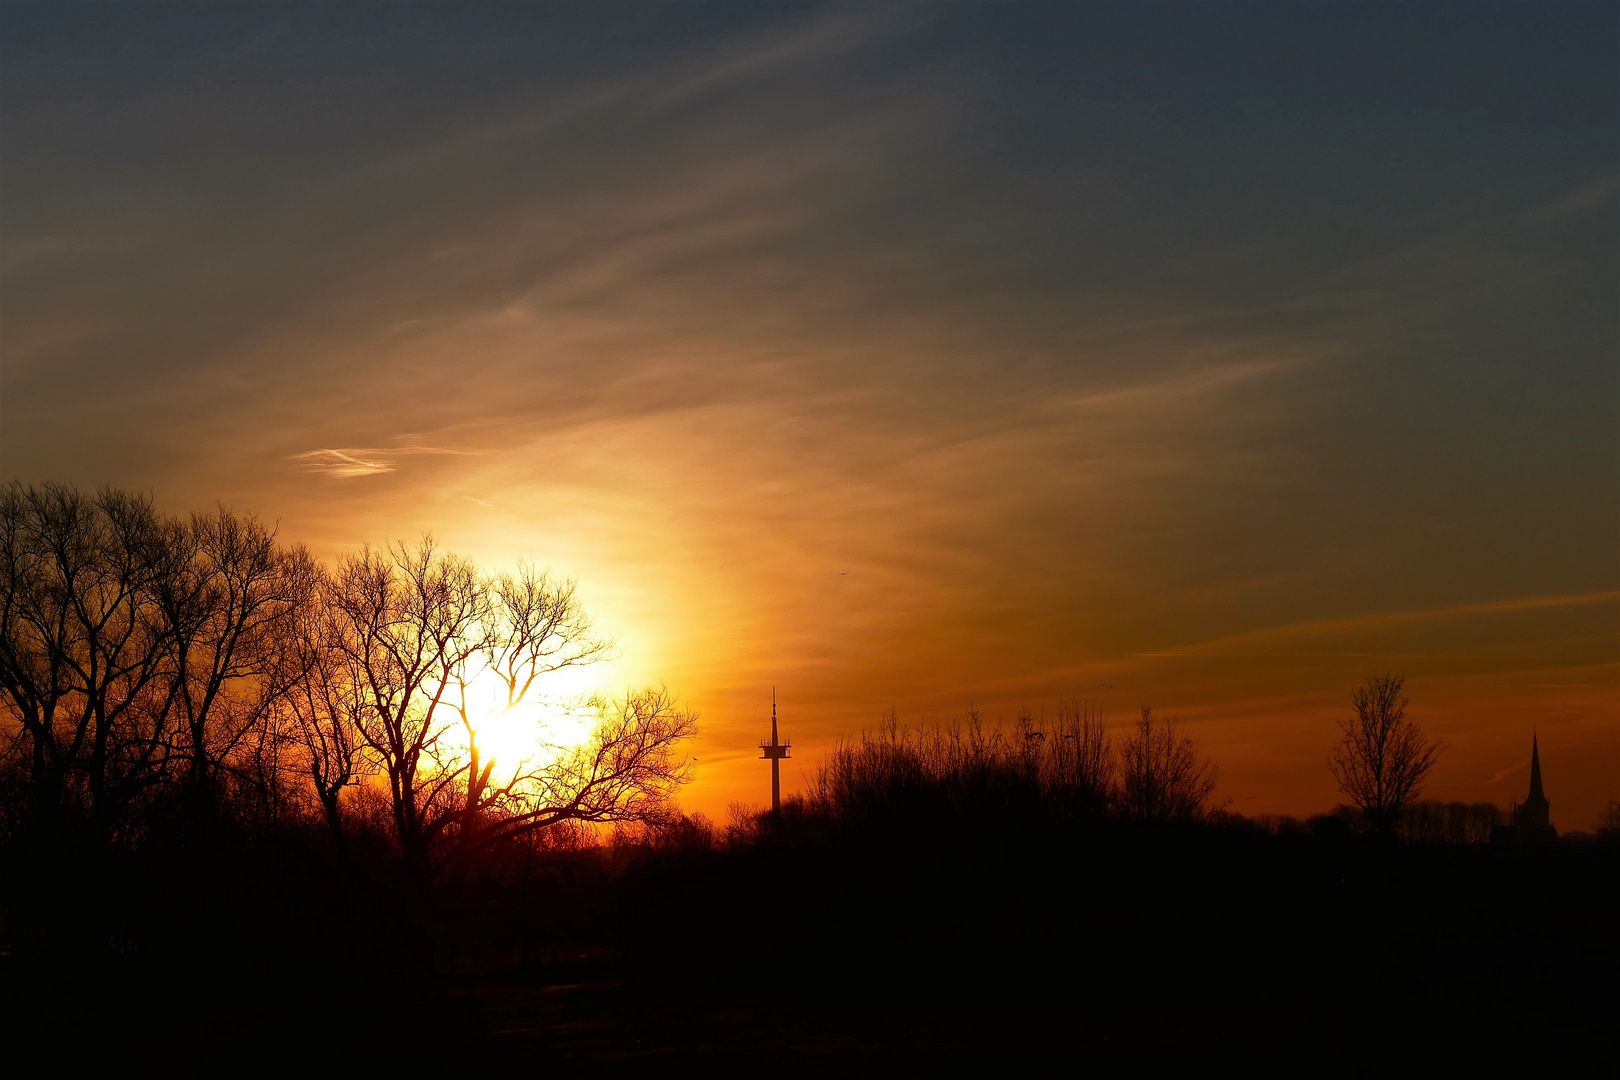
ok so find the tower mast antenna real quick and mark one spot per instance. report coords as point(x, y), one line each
point(775, 751)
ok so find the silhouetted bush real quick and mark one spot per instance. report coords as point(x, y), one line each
point(1063, 772)
point(1161, 776)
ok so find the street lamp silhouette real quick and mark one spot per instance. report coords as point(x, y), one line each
point(775, 751)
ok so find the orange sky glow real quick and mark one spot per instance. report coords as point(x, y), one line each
point(824, 366)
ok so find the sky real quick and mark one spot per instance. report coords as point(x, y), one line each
point(904, 357)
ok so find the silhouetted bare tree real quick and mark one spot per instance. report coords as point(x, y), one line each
point(84, 648)
point(1080, 761)
point(1609, 820)
point(533, 627)
point(406, 625)
point(320, 698)
point(138, 653)
point(1162, 778)
point(224, 592)
point(1383, 758)
point(628, 770)
point(412, 628)
point(536, 626)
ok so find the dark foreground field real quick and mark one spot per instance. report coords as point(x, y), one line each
point(1113, 945)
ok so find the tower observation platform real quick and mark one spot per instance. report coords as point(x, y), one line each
point(774, 751)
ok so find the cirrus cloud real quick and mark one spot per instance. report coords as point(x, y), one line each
point(351, 462)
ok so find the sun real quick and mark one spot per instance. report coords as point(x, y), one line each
point(551, 720)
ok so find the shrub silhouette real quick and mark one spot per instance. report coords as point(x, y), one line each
point(1161, 777)
point(1063, 770)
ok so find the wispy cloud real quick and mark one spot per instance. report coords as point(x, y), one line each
point(351, 462)
point(1233, 645)
point(1509, 771)
point(850, 343)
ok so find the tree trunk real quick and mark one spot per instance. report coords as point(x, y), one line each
point(334, 822)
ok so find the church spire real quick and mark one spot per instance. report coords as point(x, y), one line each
point(1536, 794)
point(1532, 819)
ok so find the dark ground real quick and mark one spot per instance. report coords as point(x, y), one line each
point(1111, 946)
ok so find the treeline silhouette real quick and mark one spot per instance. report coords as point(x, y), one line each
point(990, 893)
point(244, 805)
point(1065, 770)
point(165, 673)
point(1425, 822)
point(226, 765)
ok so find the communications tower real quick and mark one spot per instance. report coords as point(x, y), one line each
point(775, 751)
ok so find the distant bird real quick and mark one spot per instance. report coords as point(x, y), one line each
point(1036, 735)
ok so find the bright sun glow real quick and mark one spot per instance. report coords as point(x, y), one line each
point(549, 721)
